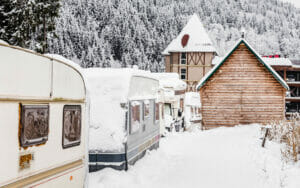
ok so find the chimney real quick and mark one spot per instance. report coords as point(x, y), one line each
point(243, 33)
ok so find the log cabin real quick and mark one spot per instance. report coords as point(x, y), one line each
point(190, 54)
point(241, 89)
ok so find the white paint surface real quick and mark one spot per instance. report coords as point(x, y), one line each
point(26, 75)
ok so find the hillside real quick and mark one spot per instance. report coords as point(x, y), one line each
point(128, 32)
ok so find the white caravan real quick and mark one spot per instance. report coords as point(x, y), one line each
point(124, 120)
point(42, 112)
point(171, 96)
point(192, 105)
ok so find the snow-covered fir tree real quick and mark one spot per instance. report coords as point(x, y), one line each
point(28, 23)
point(134, 32)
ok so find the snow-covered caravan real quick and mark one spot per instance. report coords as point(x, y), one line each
point(192, 105)
point(42, 112)
point(124, 119)
point(172, 91)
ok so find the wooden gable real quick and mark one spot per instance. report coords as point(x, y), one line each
point(242, 90)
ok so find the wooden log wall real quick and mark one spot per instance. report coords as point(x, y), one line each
point(241, 91)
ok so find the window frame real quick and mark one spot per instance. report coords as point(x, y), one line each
point(156, 107)
point(144, 109)
point(74, 143)
point(141, 116)
point(181, 74)
point(183, 59)
point(22, 126)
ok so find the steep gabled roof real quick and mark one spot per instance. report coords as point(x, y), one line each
point(198, 41)
point(218, 65)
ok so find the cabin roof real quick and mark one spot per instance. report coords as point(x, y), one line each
point(271, 61)
point(277, 61)
point(220, 63)
point(198, 41)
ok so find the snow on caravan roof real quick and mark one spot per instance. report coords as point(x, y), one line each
point(170, 80)
point(65, 60)
point(108, 88)
point(192, 99)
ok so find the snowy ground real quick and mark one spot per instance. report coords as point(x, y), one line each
point(224, 157)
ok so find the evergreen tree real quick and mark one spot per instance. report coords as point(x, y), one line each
point(28, 23)
point(116, 33)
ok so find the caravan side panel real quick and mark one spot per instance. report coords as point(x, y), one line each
point(24, 74)
point(66, 83)
point(28, 80)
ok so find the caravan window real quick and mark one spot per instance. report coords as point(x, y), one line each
point(71, 125)
point(135, 116)
point(168, 109)
point(146, 109)
point(156, 111)
point(34, 124)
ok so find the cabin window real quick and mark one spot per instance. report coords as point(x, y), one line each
point(135, 116)
point(183, 58)
point(183, 73)
point(34, 124)
point(71, 125)
point(156, 111)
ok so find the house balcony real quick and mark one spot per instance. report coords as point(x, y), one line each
point(292, 107)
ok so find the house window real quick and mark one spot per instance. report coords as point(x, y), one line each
point(71, 125)
point(183, 73)
point(135, 116)
point(183, 58)
point(35, 124)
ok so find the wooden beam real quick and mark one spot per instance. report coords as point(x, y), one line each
point(284, 74)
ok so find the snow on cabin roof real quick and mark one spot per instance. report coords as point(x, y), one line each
point(198, 40)
point(108, 88)
point(295, 61)
point(216, 60)
point(192, 99)
point(218, 65)
point(277, 61)
point(170, 80)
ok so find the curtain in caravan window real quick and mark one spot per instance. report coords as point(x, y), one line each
point(35, 124)
point(146, 109)
point(135, 120)
point(156, 111)
point(71, 125)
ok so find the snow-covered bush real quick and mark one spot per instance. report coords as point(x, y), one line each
point(288, 133)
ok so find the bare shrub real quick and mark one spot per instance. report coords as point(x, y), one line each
point(287, 132)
